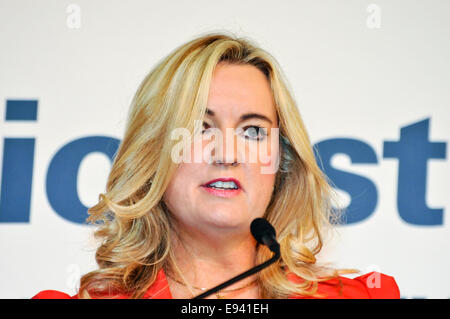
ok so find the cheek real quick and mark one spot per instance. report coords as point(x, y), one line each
point(171, 197)
point(262, 174)
point(261, 186)
point(179, 189)
point(262, 153)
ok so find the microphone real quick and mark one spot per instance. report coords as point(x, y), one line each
point(264, 233)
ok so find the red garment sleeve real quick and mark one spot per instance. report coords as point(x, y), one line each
point(380, 286)
point(373, 285)
point(55, 294)
point(52, 294)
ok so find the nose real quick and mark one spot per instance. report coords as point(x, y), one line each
point(219, 162)
point(225, 150)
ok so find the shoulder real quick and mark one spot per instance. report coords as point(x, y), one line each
point(373, 285)
point(379, 286)
point(53, 294)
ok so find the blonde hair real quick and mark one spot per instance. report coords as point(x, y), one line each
point(135, 225)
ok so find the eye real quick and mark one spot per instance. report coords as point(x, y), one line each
point(205, 126)
point(255, 132)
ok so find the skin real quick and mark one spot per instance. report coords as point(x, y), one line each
point(213, 242)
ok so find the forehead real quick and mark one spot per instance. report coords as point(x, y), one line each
point(237, 89)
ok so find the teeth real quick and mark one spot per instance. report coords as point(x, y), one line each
point(220, 184)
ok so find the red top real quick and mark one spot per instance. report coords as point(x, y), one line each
point(373, 285)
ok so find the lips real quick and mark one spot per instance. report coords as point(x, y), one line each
point(225, 193)
point(224, 179)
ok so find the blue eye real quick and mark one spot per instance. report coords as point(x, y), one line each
point(255, 132)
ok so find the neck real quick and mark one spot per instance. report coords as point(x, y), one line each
point(207, 259)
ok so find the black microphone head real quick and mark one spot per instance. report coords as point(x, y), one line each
point(261, 228)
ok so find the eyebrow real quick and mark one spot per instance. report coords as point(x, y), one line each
point(246, 116)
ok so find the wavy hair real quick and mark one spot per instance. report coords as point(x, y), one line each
point(134, 225)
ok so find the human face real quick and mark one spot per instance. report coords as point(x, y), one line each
point(235, 91)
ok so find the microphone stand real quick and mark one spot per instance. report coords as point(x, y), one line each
point(245, 274)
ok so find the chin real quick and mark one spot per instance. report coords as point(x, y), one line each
point(227, 218)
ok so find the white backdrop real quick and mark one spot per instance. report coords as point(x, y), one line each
point(360, 70)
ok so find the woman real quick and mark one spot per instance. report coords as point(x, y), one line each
point(172, 229)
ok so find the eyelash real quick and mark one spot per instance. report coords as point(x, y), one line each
point(261, 131)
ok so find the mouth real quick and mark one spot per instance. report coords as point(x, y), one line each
point(223, 187)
